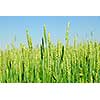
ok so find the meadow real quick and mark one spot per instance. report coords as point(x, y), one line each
point(51, 63)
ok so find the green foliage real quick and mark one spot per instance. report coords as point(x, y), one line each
point(50, 63)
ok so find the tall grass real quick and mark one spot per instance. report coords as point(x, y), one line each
point(50, 63)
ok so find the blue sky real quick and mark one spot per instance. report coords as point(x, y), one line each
point(11, 26)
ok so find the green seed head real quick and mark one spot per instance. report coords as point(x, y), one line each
point(45, 37)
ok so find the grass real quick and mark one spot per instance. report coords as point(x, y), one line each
point(50, 63)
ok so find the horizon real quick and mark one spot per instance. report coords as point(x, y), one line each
point(16, 26)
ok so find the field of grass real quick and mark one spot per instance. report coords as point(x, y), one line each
point(50, 63)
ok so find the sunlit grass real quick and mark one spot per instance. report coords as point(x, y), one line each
point(50, 63)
